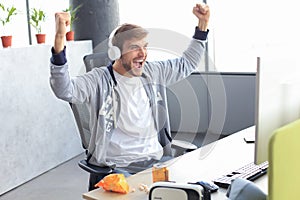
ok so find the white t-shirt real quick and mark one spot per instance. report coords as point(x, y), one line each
point(135, 138)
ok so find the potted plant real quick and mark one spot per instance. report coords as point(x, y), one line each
point(73, 13)
point(38, 16)
point(8, 13)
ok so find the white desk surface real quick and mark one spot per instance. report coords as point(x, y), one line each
point(206, 163)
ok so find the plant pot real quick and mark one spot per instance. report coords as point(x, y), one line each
point(6, 41)
point(70, 36)
point(40, 38)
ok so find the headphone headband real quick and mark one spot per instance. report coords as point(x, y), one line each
point(113, 52)
point(121, 33)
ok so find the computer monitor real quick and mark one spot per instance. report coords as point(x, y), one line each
point(277, 99)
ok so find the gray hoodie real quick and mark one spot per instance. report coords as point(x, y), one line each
point(97, 89)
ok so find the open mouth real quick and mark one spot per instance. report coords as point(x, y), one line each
point(138, 63)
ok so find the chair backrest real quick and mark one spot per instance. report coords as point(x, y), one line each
point(284, 162)
point(80, 111)
point(82, 117)
point(96, 60)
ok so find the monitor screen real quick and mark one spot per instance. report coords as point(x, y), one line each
point(277, 99)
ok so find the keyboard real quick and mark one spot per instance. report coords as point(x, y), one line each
point(250, 172)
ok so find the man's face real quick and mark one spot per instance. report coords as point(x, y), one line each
point(134, 55)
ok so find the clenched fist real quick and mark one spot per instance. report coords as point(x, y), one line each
point(62, 21)
point(201, 11)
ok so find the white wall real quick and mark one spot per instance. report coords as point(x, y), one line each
point(239, 30)
point(244, 30)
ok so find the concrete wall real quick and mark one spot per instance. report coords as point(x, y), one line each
point(99, 17)
point(37, 131)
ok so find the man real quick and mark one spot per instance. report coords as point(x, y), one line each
point(129, 121)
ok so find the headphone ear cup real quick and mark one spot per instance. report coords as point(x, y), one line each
point(114, 53)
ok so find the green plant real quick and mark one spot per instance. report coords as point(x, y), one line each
point(73, 14)
point(36, 17)
point(9, 12)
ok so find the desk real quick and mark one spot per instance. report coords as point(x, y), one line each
point(205, 163)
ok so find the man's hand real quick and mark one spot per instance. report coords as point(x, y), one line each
point(62, 20)
point(201, 11)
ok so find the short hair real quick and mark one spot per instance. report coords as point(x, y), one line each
point(127, 32)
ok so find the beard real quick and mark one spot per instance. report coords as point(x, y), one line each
point(135, 72)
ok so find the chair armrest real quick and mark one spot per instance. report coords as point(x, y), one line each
point(93, 169)
point(181, 147)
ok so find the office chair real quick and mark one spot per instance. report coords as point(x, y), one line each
point(81, 114)
point(96, 60)
point(82, 117)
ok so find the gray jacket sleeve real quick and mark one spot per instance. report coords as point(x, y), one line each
point(73, 89)
point(171, 71)
point(60, 81)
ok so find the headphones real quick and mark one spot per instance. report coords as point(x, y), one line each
point(113, 52)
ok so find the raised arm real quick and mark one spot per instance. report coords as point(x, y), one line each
point(177, 69)
point(62, 20)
